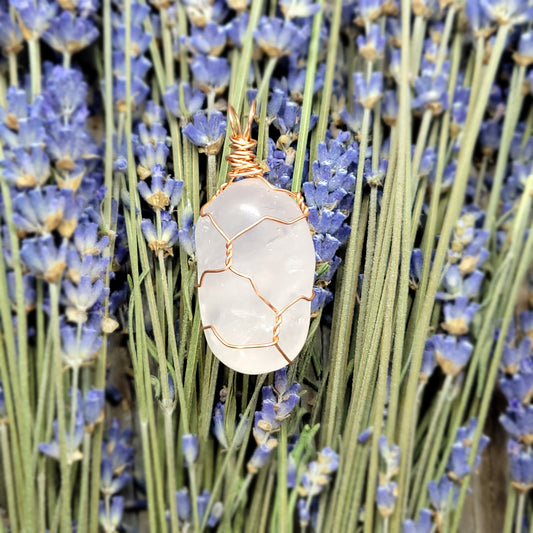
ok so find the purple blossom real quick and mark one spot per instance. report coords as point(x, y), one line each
point(237, 27)
point(455, 285)
point(184, 507)
point(164, 241)
point(209, 40)
point(260, 456)
point(518, 422)
point(452, 353)
point(318, 473)
point(458, 315)
point(372, 45)
point(368, 93)
point(164, 192)
point(186, 233)
point(111, 482)
point(424, 523)
point(43, 258)
point(277, 37)
point(458, 462)
point(521, 460)
point(190, 448)
point(35, 16)
point(439, 494)
point(207, 132)
point(76, 351)
point(80, 298)
point(73, 441)
point(69, 34)
point(211, 74)
point(10, 35)
point(92, 406)
point(28, 284)
point(3, 413)
point(386, 496)
point(431, 93)
point(192, 101)
point(111, 518)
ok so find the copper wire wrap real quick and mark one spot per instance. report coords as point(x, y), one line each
point(243, 163)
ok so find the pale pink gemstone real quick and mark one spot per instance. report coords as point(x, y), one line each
point(279, 258)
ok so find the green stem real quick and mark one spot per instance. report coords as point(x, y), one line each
point(8, 477)
point(512, 115)
point(66, 521)
point(509, 510)
point(456, 201)
point(194, 497)
point(34, 50)
point(13, 74)
point(262, 101)
point(521, 257)
point(519, 521)
point(84, 484)
point(211, 175)
point(422, 465)
point(305, 116)
point(171, 467)
point(283, 515)
point(346, 303)
point(331, 61)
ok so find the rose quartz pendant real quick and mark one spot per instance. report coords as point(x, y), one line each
point(256, 264)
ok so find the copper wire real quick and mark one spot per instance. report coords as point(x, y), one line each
point(242, 159)
point(243, 163)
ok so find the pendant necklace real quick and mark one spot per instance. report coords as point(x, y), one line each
point(256, 264)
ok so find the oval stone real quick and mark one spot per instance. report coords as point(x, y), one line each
point(256, 264)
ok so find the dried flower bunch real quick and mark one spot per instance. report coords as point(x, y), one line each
point(407, 127)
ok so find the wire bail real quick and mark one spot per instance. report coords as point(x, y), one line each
point(242, 159)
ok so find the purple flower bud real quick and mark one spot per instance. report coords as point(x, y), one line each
point(424, 523)
point(190, 448)
point(260, 456)
point(93, 406)
point(207, 133)
point(183, 505)
point(439, 494)
point(386, 496)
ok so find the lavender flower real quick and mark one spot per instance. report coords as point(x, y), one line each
point(458, 315)
point(190, 448)
point(439, 494)
point(518, 422)
point(521, 460)
point(73, 442)
point(422, 525)
point(278, 403)
point(166, 240)
point(386, 496)
point(278, 38)
point(111, 518)
point(69, 34)
point(458, 466)
point(191, 102)
point(43, 258)
point(186, 233)
point(184, 507)
point(164, 191)
point(35, 16)
point(318, 473)
point(260, 456)
point(211, 74)
point(452, 354)
point(207, 132)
